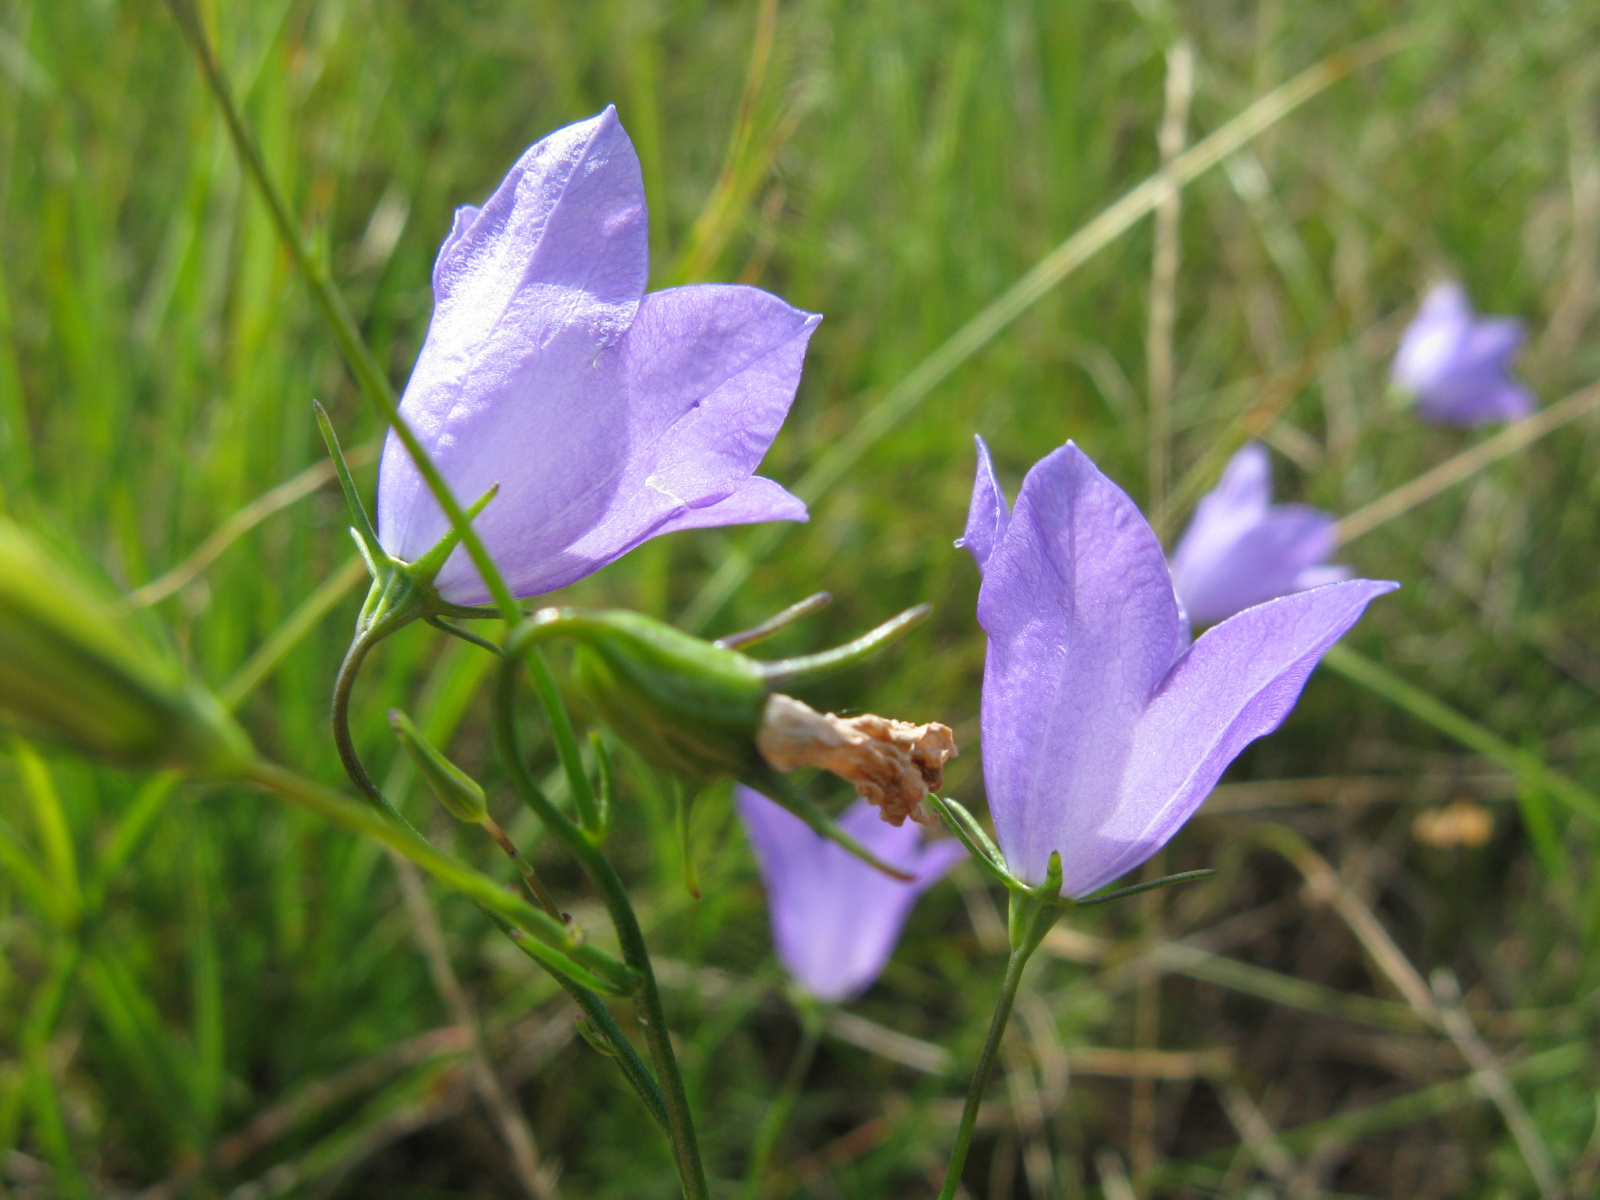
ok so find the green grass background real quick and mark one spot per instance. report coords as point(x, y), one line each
point(179, 961)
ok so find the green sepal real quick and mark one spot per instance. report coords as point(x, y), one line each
point(786, 671)
point(775, 623)
point(461, 795)
point(1148, 886)
point(978, 843)
point(1033, 912)
point(361, 524)
point(429, 565)
point(401, 592)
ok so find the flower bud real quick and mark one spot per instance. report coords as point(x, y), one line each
point(682, 703)
point(460, 794)
point(72, 664)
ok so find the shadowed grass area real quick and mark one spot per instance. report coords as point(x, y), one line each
point(204, 994)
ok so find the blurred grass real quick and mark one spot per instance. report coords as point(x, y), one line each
point(179, 963)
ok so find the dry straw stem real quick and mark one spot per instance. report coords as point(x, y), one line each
point(241, 523)
point(536, 1037)
point(1159, 380)
point(306, 617)
point(744, 166)
point(1196, 962)
point(1468, 463)
point(896, 404)
point(1488, 1076)
point(1164, 277)
point(1528, 768)
point(414, 1103)
point(1256, 1133)
point(523, 1151)
point(1355, 790)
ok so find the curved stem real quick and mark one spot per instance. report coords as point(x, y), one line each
point(342, 687)
point(777, 1117)
point(1031, 919)
point(680, 1123)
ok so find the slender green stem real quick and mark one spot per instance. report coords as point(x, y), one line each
point(374, 383)
point(634, 1068)
point(777, 1115)
point(548, 940)
point(680, 1124)
point(1031, 919)
point(561, 732)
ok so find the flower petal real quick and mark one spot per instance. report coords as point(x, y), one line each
point(835, 920)
point(755, 500)
point(1477, 400)
point(1261, 564)
point(1224, 515)
point(988, 514)
point(1433, 340)
point(528, 292)
point(1458, 367)
point(1492, 343)
point(1083, 625)
point(672, 420)
point(1238, 682)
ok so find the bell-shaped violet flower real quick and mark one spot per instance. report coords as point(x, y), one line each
point(1456, 367)
point(1242, 550)
point(606, 415)
point(1103, 728)
point(835, 920)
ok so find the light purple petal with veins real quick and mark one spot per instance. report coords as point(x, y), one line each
point(1236, 683)
point(1102, 729)
point(606, 416)
point(835, 920)
point(988, 514)
point(1458, 367)
point(1240, 550)
point(1082, 625)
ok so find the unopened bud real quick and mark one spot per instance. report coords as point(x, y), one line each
point(73, 665)
point(892, 764)
point(460, 794)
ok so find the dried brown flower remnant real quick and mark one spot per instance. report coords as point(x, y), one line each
point(892, 764)
point(1462, 823)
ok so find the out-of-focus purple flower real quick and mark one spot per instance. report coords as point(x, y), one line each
point(607, 416)
point(1456, 367)
point(1103, 728)
point(835, 920)
point(1242, 550)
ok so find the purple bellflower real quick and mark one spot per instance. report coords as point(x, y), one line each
point(1456, 367)
point(1242, 550)
point(1103, 728)
point(835, 920)
point(606, 415)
